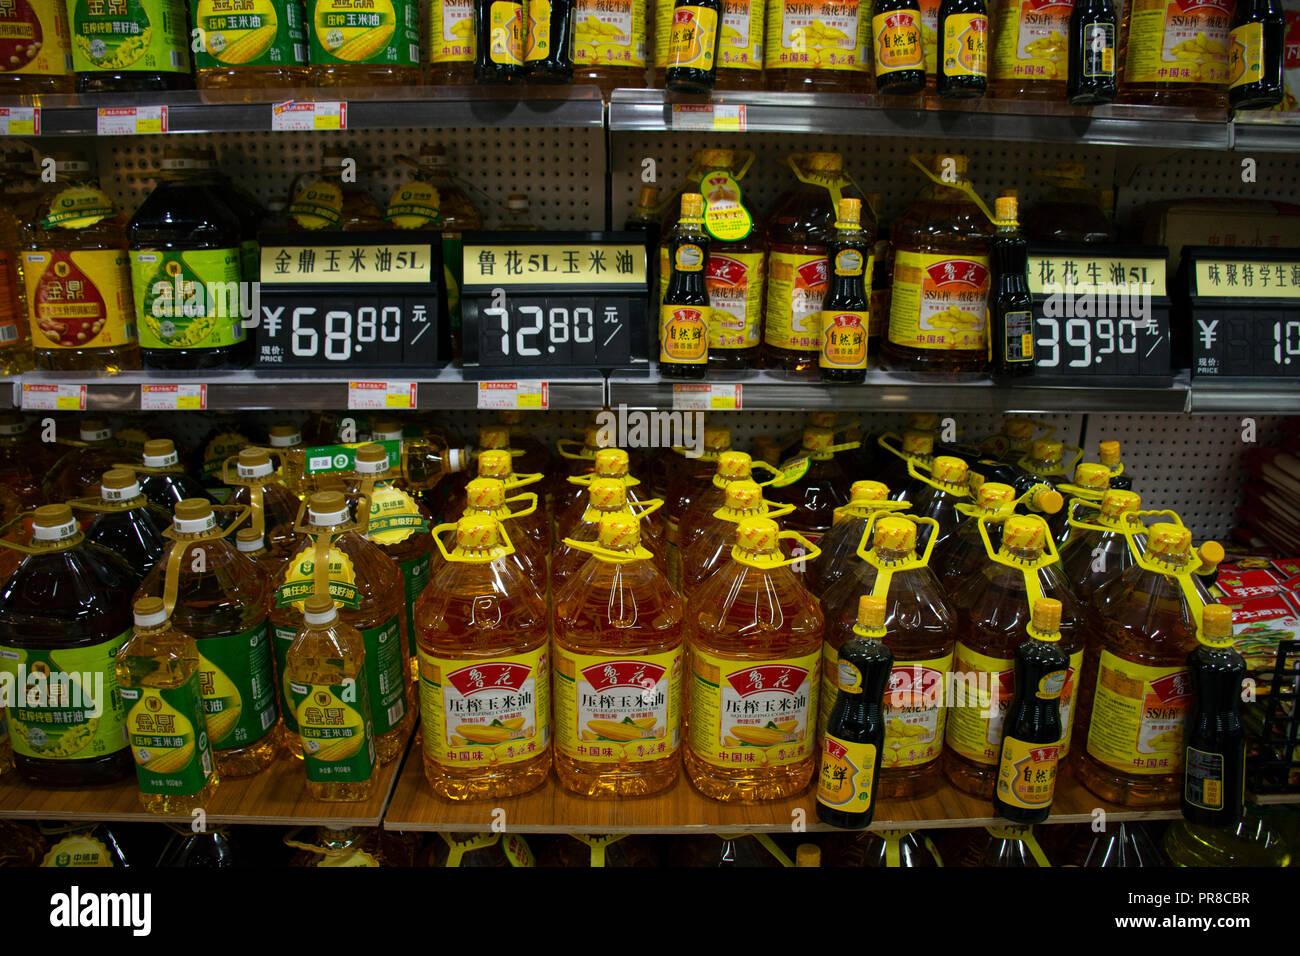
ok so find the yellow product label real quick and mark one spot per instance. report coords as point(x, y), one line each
point(1027, 774)
point(663, 29)
point(1138, 715)
point(693, 38)
point(930, 34)
point(1069, 692)
point(79, 300)
point(612, 709)
point(394, 516)
point(1032, 40)
point(506, 36)
point(818, 35)
point(939, 301)
point(915, 715)
point(847, 774)
point(364, 31)
point(451, 31)
point(78, 207)
point(740, 43)
point(752, 713)
point(965, 44)
point(844, 339)
point(78, 849)
point(487, 712)
point(898, 43)
point(683, 335)
point(612, 33)
point(1246, 54)
point(1177, 41)
point(414, 205)
point(982, 691)
point(34, 38)
point(298, 579)
point(796, 285)
point(735, 284)
point(318, 206)
point(538, 46)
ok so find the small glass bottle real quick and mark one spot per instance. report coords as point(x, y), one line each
point(499, 28)
point(548, 51)
point(846, 310)
point(684, 316)
point(963, 49)
point(693, 46)
point(1094, 33)
point(1011, 318)
point(899, 47)
point(1214, 752)
point(1256, 42)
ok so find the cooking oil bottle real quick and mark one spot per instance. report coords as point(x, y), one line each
point(500, 464)
point(329, 688)
point(944, 489)
point(711, 548)
point(286, 441)
point(43, 631)
point(1046, 461)
point(823, 48)
point(1071, 211)
point(1030, 55)
point(740, 45)
point(123, 523)
point(814, 482)
point(1108, 453)
point(732, 466)
point(1091, 482)
point(253, 546)
point(1137, 690)
point(487, 496)
point(937, 309)
point(329, 201)
point(606, 496)
point(920, 629)
point(840, 544)
point(133, 48)
point(1171, 54)
point(349, 48)
point(450, 43)
point(1007, 846)
point(1250, 843)
point(266, 49)
point(754, 637)
point(617, 678)
point(77, 474)
point(221, 598)
point(1214, 783)
point(333, 556)
point(20, 186)
point(879, 849)
point(611, 463)
point(39, 49)
point(162, 479)
point(689, 478)
point(962, 553)
point(609, 43)
point(484, 669)
point(76, 275)
point(914, 449)
point(158, 678)
point(273, 507)
point(24, 465)
point(1100, 549)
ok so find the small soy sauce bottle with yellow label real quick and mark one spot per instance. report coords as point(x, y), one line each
point(855, 731)
point(500, 28)
point(963, 63)
point(693, 46)
point(1032, 730)
point(684, 316)
point(1214, 744)
point(846, 310)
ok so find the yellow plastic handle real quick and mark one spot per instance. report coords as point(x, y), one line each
point(648, 507)
point(506, 547)
point(529, 496)
point(571, 455)
point(774, 471)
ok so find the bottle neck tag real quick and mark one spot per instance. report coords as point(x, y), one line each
point(885, 570)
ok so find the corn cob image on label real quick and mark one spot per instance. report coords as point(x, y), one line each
point(66, 702)
point(747, 713)
point(338, 741)
point(187, 300)
point(818, 35)
point(939, 302)
point(1178, 41)
point(611, 33)
point(1031, 40)
point(485, 713)
point(250, 33)
point(617, 709)
point(1138, 715)
point(129, 35)
point(383, 32)
point(169, 738)
point(79, 299)
point(982, 692)
point(237, 685)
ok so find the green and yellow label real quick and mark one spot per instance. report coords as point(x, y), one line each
point(383, 32)
point(414, 205)
point(237, 684)
point(168, 737)
point(249, 33)
point(187, 300)
point(299, 579)
point(130, 36)
point(338, 742)
point(394, 516)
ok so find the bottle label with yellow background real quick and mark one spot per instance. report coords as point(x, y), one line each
point(414, 205)
point(394, 516)
point(939, 301)
point(844, 339)
point(965, 44)
point(683, 335)
point(1177, 41)
point(898, 44)
point(1138, 715)
point(612, 709)
point(818, 35)
point(735, 284)
point(1245, 54)
point(537, 47)
point(79, 300)
point(379, 32)
point(796, 286)
point(506, 32)
point(451, 31)
point(318, 205)
point(930, 34)
point(847, 775)
point(237, 684)
point(168, 736)
point(1032, 40)
point(1069, 693)
point(299, 579)
point(34, 38)
point(249, 33)
point(983, 687)
point(748, 714)
point(179, 300)
point(146, 35)
point(692, 39)
point(1027, 774)
point(740, 44)
point(333, 721)
point(485, 712)
point(611, 33)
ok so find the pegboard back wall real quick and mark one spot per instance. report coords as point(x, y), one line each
point(1146, 176)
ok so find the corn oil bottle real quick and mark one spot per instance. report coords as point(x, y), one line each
point(688, 478)
point(1214, 757)
point(1173, 54)
point(962, 553)
point(331, 202)
point(814, 482)
point(854, 742)
point(604, 496)
point(818, 48)
point(920, 631)
point(617, 677)
point(485, 679)
point(334, 556)
point(273, 507)
point(500, 465)
point(38, 51)
point(328, 684)
point(840, 544)
point(611, 463)
point(1030, 49)
point(487, 496)
point(265, 50)
point(349, 49)
point(754, 638)
point(711, 548)
point(1100, 549)
point(163, 481)
point(609, 43)
point(740, 46)
point(65, 613)
point(944, 489)
point(158, 677)
point(123, 522)
point(130, 48)
point(1091, 481)
point(732, 466)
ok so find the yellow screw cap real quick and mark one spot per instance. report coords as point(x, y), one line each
point(1093, 476)
point(1048, 501)
point(493, 437)
point(717, 438)
point(1108, 453)
point(607, 494)
point(734, 464)
point(825, 162)
point(619, 532)
point(1216, 624)
point(1047, 449)
point(871, 611)
point(477, 531)
point(1169, 539)
point(1046, 615)
point(893, 533)
point(159, 448)
point(822, 419)
point(949, 470)
point(922, 422)
point(918, 443)
point(1018, 429)
point(152, 606)
point(495, 464)
point(611, 461)
point(1212, 553)
point(817, 439)
point(850, 210)
point(692, 206)
point(757, 534)
point(253, 458)
point(485, 494)
point(117, 478)
point(743, 495)
point(1117, 501)
point(868, 491)
point(994, 493)
point(1022, 533)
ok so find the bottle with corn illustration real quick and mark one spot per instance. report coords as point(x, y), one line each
point(606, 496)
point(485, 681)
point(487, 496)
point(711, 549)
point(123, 522)
point(618, 668)
point(612, 463)
point(840, 544)
point(1171, 54)
point(962, 553)
point(579, 460)
point(273, 507)
point(920, 630)
point(814, 481)
point(754, 638)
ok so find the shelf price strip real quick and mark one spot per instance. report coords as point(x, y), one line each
point(173, 398)
point(53, 398)
point(707, 398)
point(306, 116)
point(530, 396)
point(377, 395)
point(131, 120)
point(721, 117)
point(20, 121)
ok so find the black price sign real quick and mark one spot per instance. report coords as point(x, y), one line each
point(364, 299)
point(1100, 312)
point(1244, 306)
point(574, 300)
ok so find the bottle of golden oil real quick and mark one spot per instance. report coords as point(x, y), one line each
point(158, 678)
point(962, 553)
point(1136, 692)
point(740, 45)
point(1091, 482)
point(500, 465)
point(733, 466)
point(263, 49)
point(944, 488)
point(814, 481)
point(1100, 549)
point(687, 479)
point(353, 45)
point(848, 525)
point(478, 850)
point(994, 611)
point(485, 679)
point(1046, 461)
point(123, 522)
point(221, 598)
point(579, 459)
point(274, 507)
point(449, 44)
point(617, 677)
point(1004, 846)
point(914, 448)
point(38, 49)
point(612, 463)
point(609, 47)
point(253, 546)
point(487, 497)
point(332, 555)
point(818, 47)
point(286, 441)
point(711, 549)
point(754, 638)
point(920, 630)
point(1030, 55)
point(607, 496)
point(329, 688)
point(163, 481)
point(1175, 54)
point(328, 201)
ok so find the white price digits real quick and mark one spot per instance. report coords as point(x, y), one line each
point(559, 322)
point(371, 322)
point(1080, 334)
point(1286, 342)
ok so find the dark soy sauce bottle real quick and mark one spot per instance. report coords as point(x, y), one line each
point(1214, 756)
point(1091, 75)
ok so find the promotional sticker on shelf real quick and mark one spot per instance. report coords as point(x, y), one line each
point(54, 398)
point(526, 395)
point(173, 398)
point(20, 120)
point(722, 117)
point(297, 116)
point(389, 395)
point(131, 120)
point(707, 398)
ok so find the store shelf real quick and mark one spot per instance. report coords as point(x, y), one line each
point(987, 119)
point(430, 107)
point(1247, 396)
point(1266, 132)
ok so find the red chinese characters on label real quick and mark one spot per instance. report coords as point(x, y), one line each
point(735, 284)
point(939, 301)
point(683, 335)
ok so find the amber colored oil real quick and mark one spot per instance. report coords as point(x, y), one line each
point(606, 497)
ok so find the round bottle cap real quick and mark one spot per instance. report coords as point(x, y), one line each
point(611, 462)
point(247, 540)
point(808, 854)
point(715, 158)
point(386, 430)
point(53, 523)
point(991, 494)
point(757, 534)
point(118, 484)
point(619, 532)
point(1048, 500)
point(922, 422)
point(949, 470)
point(285, 436)
point(1018, 429)
point(1006, 208)
point(254, 463)
point(743, 495)
point(918, 443)
point(692, 206)
point(893, 533)
point(1169, 539)
point(1047, 449)
point(371, 460)
point(1216, 622)
point(160, 453)
point(649, 196)
point(717, 438)
point(477, 531)
point(150, 612)
point(822, 419)
point(319, 609)
point(871, 611)
point(93, 429)
point(1022, 533)
point(1046, 615)
point(1093, 476)
point(494, 437)
point(868, 491)
point(825, 162)
point(326, 508)
point(1117, 501)
point(193, 515)
point(607, 494)
point(850, 210)
point(734, 464)
point(1108, 453)
point(817, 439)
point(485, 494)
point(495, 464)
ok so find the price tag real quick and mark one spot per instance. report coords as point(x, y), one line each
point(706, 398)
point(721, 117)
point(526, 395)
point(20, 120)
point(173, 398)
point(376, 395)
point(130, 120)
point(303, 116)
point(1242, 304)
point(54, 398)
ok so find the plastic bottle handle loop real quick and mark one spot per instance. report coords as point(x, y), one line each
point(885, 570)
point(763, 509)
point(180, 549)
point(256, 495)
point(528, 496)
point(964, 187)
point(101, 507)
point(585, 480)
point(517, 480)
point(582, 454)
point(609, 555)
point(1079, 491)
point(1028, 569)
point(960, 490)
point(774, 559)
point(833, 183)
point(866, 507)
point(500, 550)
point(775, 472)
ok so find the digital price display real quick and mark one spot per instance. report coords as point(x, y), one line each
point(361, 299)
point(1243, 311)
point(564, 300)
